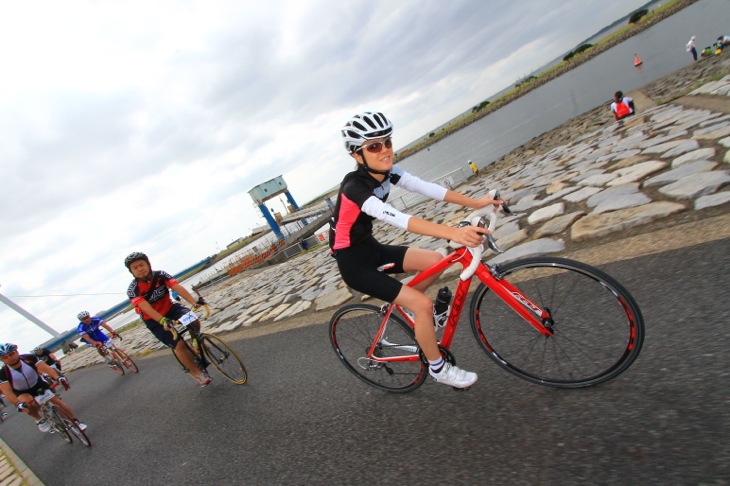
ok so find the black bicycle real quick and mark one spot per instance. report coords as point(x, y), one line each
point(208, 349)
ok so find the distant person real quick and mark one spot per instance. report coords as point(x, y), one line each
point(691, 47)
point(622, 106)
point(361, 200)
point(150, 296)
point(724, 40)
point(21, 382)
point(47, 357)
point(474, 168)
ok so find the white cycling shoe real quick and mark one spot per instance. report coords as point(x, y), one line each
point(454, 376)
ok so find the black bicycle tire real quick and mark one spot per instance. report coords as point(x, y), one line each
point(211, 341)
point(619, 356)
point(367, 340)
point(58, 425)
point(125, 358)
point(73, 428)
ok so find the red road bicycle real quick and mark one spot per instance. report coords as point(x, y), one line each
point(551, 321)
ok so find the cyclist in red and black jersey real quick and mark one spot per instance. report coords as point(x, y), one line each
point(150, 295)
point(362, 199)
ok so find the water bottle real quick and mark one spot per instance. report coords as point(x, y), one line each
point(441, 307)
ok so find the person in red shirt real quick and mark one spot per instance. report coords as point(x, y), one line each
point(622, 106)
point(150, 296)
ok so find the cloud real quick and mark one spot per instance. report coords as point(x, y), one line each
point(142, 126)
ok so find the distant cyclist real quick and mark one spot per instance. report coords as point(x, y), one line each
point(20, 381)
point(362, 199)
point(88, 329)
point(149, 293)
point(47, 357)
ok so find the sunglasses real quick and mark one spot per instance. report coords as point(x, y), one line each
point(377, 147)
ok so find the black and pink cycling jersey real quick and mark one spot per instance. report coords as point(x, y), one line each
point(362, 199)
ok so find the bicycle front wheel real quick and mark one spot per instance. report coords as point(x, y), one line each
point(127, 361)
point(353, 329)
point(598, 329)
point(71, 427)
point(58, 426)
point(224, 358)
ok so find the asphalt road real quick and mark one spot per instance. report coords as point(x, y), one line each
point(304, 419)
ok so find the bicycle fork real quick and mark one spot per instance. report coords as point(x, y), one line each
point(539, 318)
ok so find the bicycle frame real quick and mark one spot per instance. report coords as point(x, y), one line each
point(521, 304)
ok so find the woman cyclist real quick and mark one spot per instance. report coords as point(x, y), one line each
point(361, 199)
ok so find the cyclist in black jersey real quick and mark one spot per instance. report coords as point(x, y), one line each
point(362, 199)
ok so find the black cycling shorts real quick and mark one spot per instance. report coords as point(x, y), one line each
point(359, 268)
point(175, 312)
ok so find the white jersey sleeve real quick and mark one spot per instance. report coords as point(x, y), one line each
point(385, 212)
point(409, 182)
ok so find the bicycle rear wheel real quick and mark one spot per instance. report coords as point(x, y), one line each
point(352, 333)
point(598, 327)
point(224, 358)
point(127, 361)
point(70, 426)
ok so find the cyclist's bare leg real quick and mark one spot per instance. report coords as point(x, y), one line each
point(420, 304)
point(60, 404)
point(413, 298)
point(183, 354)
point(418, 259)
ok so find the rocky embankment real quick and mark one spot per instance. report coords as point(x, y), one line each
point(577, 186)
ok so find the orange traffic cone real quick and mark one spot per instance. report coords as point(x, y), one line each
point(637, 60)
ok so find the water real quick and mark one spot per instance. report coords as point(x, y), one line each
point(592, 84)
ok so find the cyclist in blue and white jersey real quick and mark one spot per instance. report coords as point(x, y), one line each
point(362, 199)
point(89, 331)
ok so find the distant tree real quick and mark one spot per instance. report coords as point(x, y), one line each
point(479, 106)
point(637, 15)
point(431, 134)
point(582, 47)
point(569, 56)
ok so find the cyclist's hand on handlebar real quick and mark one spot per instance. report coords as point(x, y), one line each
point(201, 301)
point(487, 200)
point(114, 335)
point(64, 382)
point(165, 322)
point(23, 406)
point(470, 236)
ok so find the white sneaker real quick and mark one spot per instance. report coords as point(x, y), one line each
point(43, 425)
point(80, 425)
point(454, 376)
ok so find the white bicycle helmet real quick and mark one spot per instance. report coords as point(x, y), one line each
point(83, 315)
point(365, 126)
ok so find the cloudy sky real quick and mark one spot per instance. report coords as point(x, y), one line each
point(141, 126)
